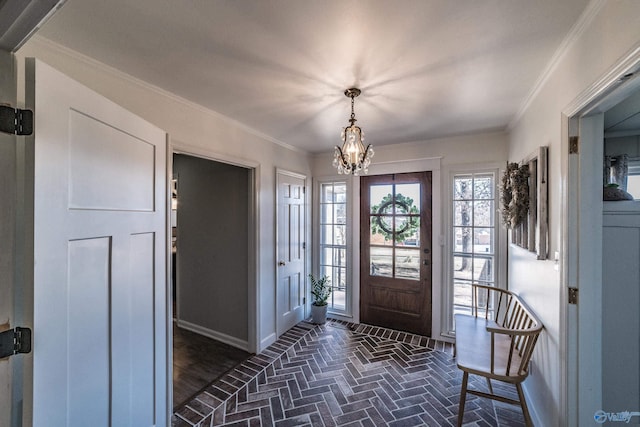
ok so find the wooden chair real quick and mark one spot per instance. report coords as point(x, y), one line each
point(496, 342)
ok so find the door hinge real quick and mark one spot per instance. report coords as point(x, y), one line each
point(304, 245)
point(574, 144)
point(14, 341)
point(16, 121)
point(573, 295)
point(304, 300)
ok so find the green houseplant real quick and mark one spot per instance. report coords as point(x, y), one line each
point(320, 291)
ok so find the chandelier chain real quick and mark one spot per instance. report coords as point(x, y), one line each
point(353, 114)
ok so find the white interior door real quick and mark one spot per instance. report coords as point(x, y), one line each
point(99, 274)
point(291, 250)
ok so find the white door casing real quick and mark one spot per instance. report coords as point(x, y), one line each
point(290, 271)
point(8, 318)
point(99, 267)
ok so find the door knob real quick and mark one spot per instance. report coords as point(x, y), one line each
point(281, 263)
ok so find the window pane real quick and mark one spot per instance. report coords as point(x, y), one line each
point(326, 232)
point(340, 255)
point(340, 193)
point(462, 188)
point(340, 213)
point(327, 193)
point(326, 270)
point(381, 230)
point(633, 186)
point(339, 299)
point(379, 195)
point(463, 268)
point(463, 213)
point(461, 294)
point(483, 213)
point(462, 238)
point(327, 214)
point(339, 234)
point(408, 197)
point(339, 278)
point(483, 240)
point(411, 237)
point(408, 264)
point(483, 187)
point(381, 262)
point(483, 271)
point(327, 256)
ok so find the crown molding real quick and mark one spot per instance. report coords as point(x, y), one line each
point(587, 16)
point(47, 44)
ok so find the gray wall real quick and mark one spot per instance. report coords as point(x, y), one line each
point(212, 242)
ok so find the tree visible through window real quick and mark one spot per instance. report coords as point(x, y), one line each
point(473, 236)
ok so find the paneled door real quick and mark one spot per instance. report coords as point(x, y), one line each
point(291, 248)
point(395, 251)
point(98, 186)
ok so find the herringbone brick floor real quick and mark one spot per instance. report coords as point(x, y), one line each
point(340, 374)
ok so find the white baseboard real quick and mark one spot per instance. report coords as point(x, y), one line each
point(533, 413)
point(267, 341)
point(218, 336)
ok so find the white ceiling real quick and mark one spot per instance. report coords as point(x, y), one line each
point(427, 68)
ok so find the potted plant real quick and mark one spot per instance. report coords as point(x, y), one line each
point(320, 290)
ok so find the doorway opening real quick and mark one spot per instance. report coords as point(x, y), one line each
point(602, 246)
point(212, 254)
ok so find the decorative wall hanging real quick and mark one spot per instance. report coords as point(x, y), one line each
point(514, 195)
point(524, 202)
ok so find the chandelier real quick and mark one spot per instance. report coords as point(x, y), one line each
point(352, 157)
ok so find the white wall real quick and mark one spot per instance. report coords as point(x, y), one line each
point(610, 32)
point(196, 130)
point(440, 156)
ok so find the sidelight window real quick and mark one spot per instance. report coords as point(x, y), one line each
point(474, 239)
point(333, 241)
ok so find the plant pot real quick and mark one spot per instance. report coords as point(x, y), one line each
point(318, 314)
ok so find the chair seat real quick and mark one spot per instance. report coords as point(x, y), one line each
point(473, 350)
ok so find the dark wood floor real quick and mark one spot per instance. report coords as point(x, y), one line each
point(198, 361)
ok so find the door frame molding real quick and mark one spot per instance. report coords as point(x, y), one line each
point(253, 307)
point(307, 294)
point(578, 255)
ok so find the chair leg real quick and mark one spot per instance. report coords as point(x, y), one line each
point(489, 384)
point(463, 397)
point(523, 404)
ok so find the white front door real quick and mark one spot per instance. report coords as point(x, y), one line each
point(99, 266)
point(291, 250)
